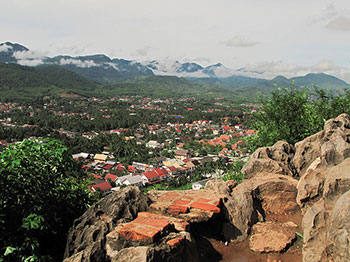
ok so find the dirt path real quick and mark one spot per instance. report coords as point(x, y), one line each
point(240, 252)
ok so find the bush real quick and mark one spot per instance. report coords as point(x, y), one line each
point(42, 192)
point(292, 114)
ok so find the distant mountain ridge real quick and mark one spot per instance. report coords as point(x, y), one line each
point(105, 70)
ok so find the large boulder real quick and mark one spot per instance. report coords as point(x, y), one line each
point(331, 145)
point(255, 198)
point(272, 236)
point(275, 159)
point(86, 239)
point(321, 220)
point(338, 233)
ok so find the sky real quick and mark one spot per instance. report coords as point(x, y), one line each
point(271, 37)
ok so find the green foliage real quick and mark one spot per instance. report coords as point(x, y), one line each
point(42, 192)
point(293, 114)
point(234, 172)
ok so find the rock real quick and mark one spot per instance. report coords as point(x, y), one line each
point(146, 228)
point(173, 248)
point(261, 195)
point(87, 237)
point(274, 160)
point(337, 181)
point(135, 254)
point(319, 221)
point(338, 233)
point(272, 236)
point(331, 145)
point(218, 186)
point(311, 183)
point(314, 226)
point(277, 196)
point(189, 205)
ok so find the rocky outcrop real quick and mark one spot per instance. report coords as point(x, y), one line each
point(283, 182)
point(331, 145)
point(86, 239)
point(253, 199)
point(322, 162)
point(275, 159)
point(272, 236)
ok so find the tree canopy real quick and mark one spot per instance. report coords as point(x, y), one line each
point(42, 192)
point(292, 114)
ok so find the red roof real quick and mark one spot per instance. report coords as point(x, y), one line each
point(151, 174)
point(104, 186)
point(131, 168)
point(111, 177)
point(172, 168)
point(120, 167)
point(162, 172)
point(107, 166)
point(96, 176)
point(159, 171)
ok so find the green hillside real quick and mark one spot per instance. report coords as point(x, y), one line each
point(27, 83)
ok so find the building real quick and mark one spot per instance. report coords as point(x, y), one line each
point(182, 154)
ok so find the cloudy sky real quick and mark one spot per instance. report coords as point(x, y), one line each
point(271, 36)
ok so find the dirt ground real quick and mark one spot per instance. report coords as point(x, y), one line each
point(240, 251)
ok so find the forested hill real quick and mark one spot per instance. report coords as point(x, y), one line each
point(25, 83)
point(165, 86)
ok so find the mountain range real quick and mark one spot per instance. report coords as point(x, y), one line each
point(104, 70)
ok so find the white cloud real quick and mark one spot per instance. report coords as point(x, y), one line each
point(272, 69)
point(5, 48)
point(25, 55)
point(29, 58)
point(78, 63)
point(324, 66)
point(222, 71)
point(340, 23)
point(30, 62)
point(239, 41)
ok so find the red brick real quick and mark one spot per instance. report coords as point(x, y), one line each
point(203, 200)
point(206, 207)
point(146, 234)
point(145, 228)
point(176, 210)
point(181, 202)
point(188, 197)
point(146, 218)
point(175, 242)
point(168, 196)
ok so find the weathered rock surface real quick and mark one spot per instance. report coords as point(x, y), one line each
point(338, 233)
point(189, 205)
point(323, 161)
point(274, 160)
point(317, 220)
point(86, 239)
point(261, 195)
point(330, 144)
point(271, 236)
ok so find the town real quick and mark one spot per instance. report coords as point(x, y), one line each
point(141, 141)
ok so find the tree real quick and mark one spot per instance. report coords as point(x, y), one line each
point(42, 192)
point(292, 114)
point(285, 116)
